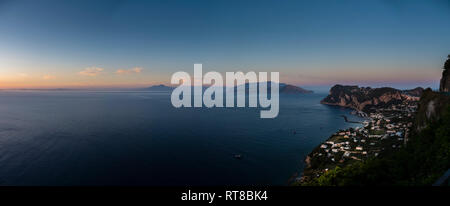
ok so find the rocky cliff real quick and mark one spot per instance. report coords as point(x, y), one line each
point(445, 80)
point(432, 106)
point(362, 98)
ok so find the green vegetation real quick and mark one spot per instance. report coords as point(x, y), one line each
point(425, 158)
point(378, 132)
point(337, 138)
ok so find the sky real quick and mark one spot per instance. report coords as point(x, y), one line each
point(112, 43)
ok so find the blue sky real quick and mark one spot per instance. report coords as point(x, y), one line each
point(50, 43)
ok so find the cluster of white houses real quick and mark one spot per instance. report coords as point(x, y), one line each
point(382, 130)
point(385, 129)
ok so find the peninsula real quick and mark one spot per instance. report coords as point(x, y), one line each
point(403, 141)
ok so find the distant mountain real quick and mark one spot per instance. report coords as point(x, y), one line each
point(284, 88)
point(159, 88)
point(291, 89)
point(361, 98)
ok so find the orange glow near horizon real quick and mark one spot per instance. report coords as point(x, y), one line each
point(23, 80)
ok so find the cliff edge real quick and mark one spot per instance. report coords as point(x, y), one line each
point(445, 80)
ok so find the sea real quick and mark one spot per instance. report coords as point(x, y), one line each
point(72, 138)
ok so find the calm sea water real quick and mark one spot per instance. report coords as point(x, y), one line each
point(138, 138)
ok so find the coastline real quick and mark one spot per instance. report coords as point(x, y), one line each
point(350, 121)
point(306, 174)
point(385, 129)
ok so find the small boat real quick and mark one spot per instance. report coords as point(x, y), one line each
point(237, 156)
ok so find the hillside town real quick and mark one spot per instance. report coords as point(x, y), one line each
point(385, 129)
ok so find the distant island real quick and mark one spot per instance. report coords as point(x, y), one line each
point(291, 89)
point(159, 88)
point(283, 88)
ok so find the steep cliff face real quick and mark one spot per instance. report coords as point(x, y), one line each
point(433, 104)
point(445, 80)
point(361, 98)
point(431, 107)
